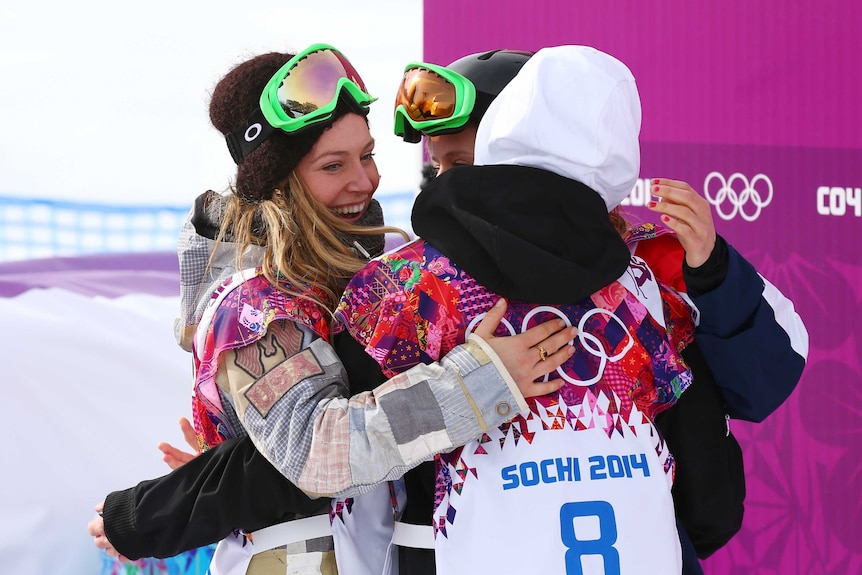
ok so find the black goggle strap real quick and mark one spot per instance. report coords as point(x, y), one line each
point(243, 141)
point(411, 135)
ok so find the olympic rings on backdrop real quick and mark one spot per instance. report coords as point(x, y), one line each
point(738, 200)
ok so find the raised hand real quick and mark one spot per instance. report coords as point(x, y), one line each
point(688, 214)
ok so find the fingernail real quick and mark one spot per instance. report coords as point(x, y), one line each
point(655, 181)
point(499, 303)
point(665, 218)
point(651, 204)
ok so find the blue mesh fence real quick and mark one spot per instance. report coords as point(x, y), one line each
point(34, 228)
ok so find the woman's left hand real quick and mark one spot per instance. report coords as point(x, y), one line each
point(688, 214)
point(175, 457)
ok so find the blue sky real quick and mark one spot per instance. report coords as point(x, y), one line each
point(107, 101)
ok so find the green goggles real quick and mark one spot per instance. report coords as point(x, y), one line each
point(303, 93)
point(431, 101)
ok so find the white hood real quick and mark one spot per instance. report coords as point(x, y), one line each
point(571, 110)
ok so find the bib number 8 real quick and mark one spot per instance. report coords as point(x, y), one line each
point(603, 546)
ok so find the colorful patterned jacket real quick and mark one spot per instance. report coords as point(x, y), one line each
point(414, 304)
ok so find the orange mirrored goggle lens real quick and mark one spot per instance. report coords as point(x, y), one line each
point(426, 95)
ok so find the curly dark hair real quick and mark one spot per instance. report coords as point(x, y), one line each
point(235, 98)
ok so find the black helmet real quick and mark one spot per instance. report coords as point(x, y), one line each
point(489, 72)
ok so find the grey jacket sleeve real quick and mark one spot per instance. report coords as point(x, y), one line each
point(328, 445)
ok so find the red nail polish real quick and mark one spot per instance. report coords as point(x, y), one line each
point(655, 182)
point(665, 218)
point(651, 204)
point(657, 188)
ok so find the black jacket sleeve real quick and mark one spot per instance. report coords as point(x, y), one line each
point(709, 485)
point(228, 487)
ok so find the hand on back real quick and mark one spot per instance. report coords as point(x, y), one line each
point(532, 354)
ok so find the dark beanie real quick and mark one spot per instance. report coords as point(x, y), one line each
point(235, 98)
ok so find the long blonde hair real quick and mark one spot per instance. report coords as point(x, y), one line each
point(306, 251)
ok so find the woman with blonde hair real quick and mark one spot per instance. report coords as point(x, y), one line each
point(297, 218)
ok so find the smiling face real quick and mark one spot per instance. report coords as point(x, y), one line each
point(452, 150)
point(339, 171)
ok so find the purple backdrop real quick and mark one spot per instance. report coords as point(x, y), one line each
point(757, 103)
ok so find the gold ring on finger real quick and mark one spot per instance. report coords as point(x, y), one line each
point(543, 355)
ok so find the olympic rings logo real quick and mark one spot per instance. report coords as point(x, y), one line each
point(738, 200)
point(591, 343)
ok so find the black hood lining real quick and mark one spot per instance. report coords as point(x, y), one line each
point(525, 233)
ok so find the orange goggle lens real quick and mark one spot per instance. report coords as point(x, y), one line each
point(426, 95)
